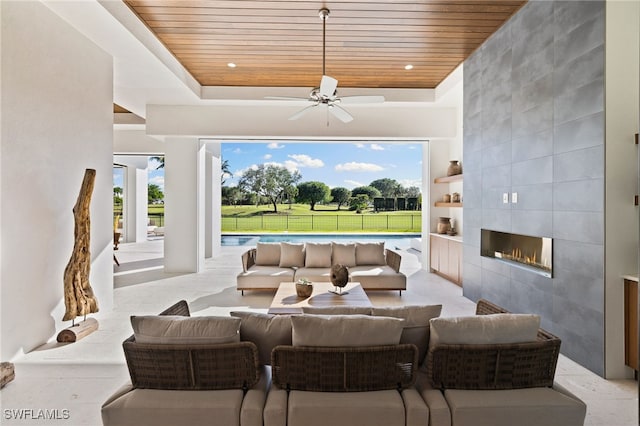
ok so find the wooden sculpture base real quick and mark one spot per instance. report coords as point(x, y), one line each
point(7, 373)
point(78, 331)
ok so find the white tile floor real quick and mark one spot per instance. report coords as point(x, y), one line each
point(78, 377)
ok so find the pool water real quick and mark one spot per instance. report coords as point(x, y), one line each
point(398, 241)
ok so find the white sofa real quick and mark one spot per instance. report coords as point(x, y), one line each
point(268, 264)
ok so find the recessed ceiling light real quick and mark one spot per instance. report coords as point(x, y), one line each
point(231, 65)
point(408, 67)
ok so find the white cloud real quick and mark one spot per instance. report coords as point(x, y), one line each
point(376, 147)
point(158, 180)
point(237, 151)
point(275, 145)
point(410, 182)
point(358, 167)
point(304, 160)
point(152, 164)
point(353, 183)
point(267, 156)
point(359, 145)
point(240, 172)
point(292, 166)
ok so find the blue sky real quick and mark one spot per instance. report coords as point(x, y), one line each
point(336, 164)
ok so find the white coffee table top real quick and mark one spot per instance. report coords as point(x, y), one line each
point(286, 301)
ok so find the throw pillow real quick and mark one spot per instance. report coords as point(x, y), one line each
point(370, 253)
point(416, 327)
point(484, 329)
point(345, 330)
point(318, 255)
point(178, 330)
point(291, 255)
point(266, 331)
point(268, 254)
point(343, 254)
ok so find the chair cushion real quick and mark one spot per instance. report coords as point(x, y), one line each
point(266, 331)
point(416, 328)
point(524, 407)
point(318, 255)
point(268, 254)
point(291, 255)
point(345, 330)
point(484, 329)
point(370, 253)
point(343, 254)
point(384, 408)
point(177, 330)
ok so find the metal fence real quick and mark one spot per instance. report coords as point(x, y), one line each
point(324, 223)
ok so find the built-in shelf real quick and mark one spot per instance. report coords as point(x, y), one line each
point(443, 204)
point(448, 179)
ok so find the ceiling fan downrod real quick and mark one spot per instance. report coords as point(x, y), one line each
point(324, 15)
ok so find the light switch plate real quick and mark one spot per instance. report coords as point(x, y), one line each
point(514, 197)
point(505, 198)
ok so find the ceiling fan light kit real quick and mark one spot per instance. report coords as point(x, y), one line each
point(326, 94)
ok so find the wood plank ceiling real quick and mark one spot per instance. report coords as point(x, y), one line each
point(279, 43)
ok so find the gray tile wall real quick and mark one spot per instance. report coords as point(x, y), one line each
point(534, 124)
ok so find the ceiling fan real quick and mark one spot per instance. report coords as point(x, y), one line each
point(326, 93)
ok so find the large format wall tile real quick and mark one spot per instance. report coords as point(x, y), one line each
point(536, 128)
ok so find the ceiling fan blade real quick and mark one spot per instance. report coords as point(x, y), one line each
point(328, 86)
point(361, 99)
point(302, 112)
point(340, 113)
point(285, 98)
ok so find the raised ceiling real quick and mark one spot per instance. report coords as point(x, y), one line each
point(279, 43)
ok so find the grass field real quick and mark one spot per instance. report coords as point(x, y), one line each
point(300, 218)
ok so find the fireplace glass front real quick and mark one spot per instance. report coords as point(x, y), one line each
point(531, 253)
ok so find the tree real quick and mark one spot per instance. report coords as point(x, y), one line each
point(117, 195)
point(154, 193)
point(160, 160)
point(340, 195)
point(412, 191)
point(268, 181)
point(226, 172)
point(369, 191)
point(291, 192)
point(359, 202)
point(231, 194)
point(313, 192)
point(388, 188)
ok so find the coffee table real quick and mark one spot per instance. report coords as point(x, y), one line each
point(286, 301)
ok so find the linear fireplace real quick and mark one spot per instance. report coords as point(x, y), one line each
point(524, 251)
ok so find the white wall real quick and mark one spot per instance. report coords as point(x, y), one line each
point(57, 97)
point(621, 115)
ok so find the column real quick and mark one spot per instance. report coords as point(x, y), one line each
point(213, 199)
point(135, 197)
point(426, 204)
point(184, 205)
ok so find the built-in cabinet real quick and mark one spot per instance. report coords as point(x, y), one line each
point(631, 323)
point(446, 257)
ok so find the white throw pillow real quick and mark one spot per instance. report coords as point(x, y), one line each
point(484, 329)
point(291, 255)
point(345, 330)
point(370, 254)
point(178, 330)
point(266, 331)
point(318, 255)
point(343, 254)
point(268, 254)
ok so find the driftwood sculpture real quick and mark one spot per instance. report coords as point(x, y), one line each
point(339, 278)
point(79, 299)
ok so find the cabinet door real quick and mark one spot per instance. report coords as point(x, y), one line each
point(631, 323)
point(455, 260)
point(434, 252)
point(445, 267)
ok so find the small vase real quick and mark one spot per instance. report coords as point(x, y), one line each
point(304, 290)
point(444, 225)
point(446, 198)
point(454, 168)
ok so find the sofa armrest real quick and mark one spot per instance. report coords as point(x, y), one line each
point(416, 410)
point(276, 407)
point(393, 259)
point(248, 259)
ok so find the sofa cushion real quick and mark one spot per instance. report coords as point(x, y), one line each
point(177, 330)
point(291, 255)
point(314, 274)
point(378, 277)
point(318, 255)
point(268, 254)
point(484, 329)
point(383, 407)
point(370, 253)
point(266, 331)
point(416, 328)
point(524, 407)
point(337, 310)
point(343, 254)
point(345, 330)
